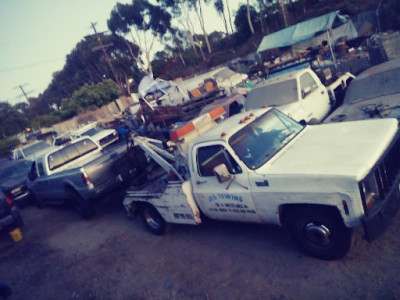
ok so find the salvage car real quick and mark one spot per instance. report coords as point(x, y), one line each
point(101, 135)
point(375, 93)
point(13, 177)
point(10, 217)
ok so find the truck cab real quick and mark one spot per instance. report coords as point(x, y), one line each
point(300, 94)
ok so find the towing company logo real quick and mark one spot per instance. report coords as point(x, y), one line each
point(225, 197)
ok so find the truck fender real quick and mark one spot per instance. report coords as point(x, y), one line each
point(285, 211)
point(319, 230)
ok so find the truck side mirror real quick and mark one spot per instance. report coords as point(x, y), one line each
point(222, 173)
point(32, 172)
point(305, 92)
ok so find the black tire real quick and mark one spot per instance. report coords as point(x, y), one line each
point(152, 219)
point(321, 232)
point(19, 223)
point(84, 208)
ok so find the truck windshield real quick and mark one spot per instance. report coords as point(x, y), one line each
point(275, 94)
point(256, 143)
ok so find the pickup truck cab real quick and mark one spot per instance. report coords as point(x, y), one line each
point(300, 94)
point(263, 167)
point(78, 173)
point(29, 151)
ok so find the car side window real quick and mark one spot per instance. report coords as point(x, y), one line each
point(56, 160)
point(211, 156)
point(70, 152)
point(85, 146)
point(307, 85)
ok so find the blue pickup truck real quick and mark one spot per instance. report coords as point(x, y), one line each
point(80, 172)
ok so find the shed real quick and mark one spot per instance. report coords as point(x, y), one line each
point(330, 27)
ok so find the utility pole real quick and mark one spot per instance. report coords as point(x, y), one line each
point(21, 86)
point(103, 48)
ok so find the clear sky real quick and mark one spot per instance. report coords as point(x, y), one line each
point(37, 35)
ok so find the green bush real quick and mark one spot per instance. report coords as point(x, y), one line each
point(6, 144)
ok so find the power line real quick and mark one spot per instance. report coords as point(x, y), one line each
point(30, 65)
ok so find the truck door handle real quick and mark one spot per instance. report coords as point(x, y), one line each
point(322, 92)
point(201, 182)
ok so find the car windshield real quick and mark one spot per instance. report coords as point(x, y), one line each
point(256, 143)
point(370, 86)
point(31, 149)
point(15, 170)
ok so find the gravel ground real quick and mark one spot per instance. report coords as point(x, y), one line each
point(113, 257)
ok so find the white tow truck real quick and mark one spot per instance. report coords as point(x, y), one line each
point(320, 181)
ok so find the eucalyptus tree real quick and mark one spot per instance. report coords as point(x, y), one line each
point(144, 23)
point(220, 8)
point(229, 14)
point(86, 64)
point(249, 18)
point(196, 5)
point(181, 12)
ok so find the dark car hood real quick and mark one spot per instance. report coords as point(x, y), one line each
point(12, 183)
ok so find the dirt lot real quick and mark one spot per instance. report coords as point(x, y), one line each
point(113, 257)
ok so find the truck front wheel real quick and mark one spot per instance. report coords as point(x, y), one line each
point(152, 219)
point(321, 232)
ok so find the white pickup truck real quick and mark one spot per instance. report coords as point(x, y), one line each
point(300, 94)
point(320, 181)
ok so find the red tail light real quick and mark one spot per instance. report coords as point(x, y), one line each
point(85, 178)
point(9, 202)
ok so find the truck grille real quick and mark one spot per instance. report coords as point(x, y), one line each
point(382, 178)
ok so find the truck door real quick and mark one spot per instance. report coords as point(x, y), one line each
point(314, 97)
point(230, 200)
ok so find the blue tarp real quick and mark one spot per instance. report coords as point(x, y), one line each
point(302, 31)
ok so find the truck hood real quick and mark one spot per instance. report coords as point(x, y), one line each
point(338, 149)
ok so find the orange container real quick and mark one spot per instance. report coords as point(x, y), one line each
point(16, 235)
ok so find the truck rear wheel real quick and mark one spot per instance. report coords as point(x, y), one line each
point(321, 232)
point(84, 208)
point(152, 219)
